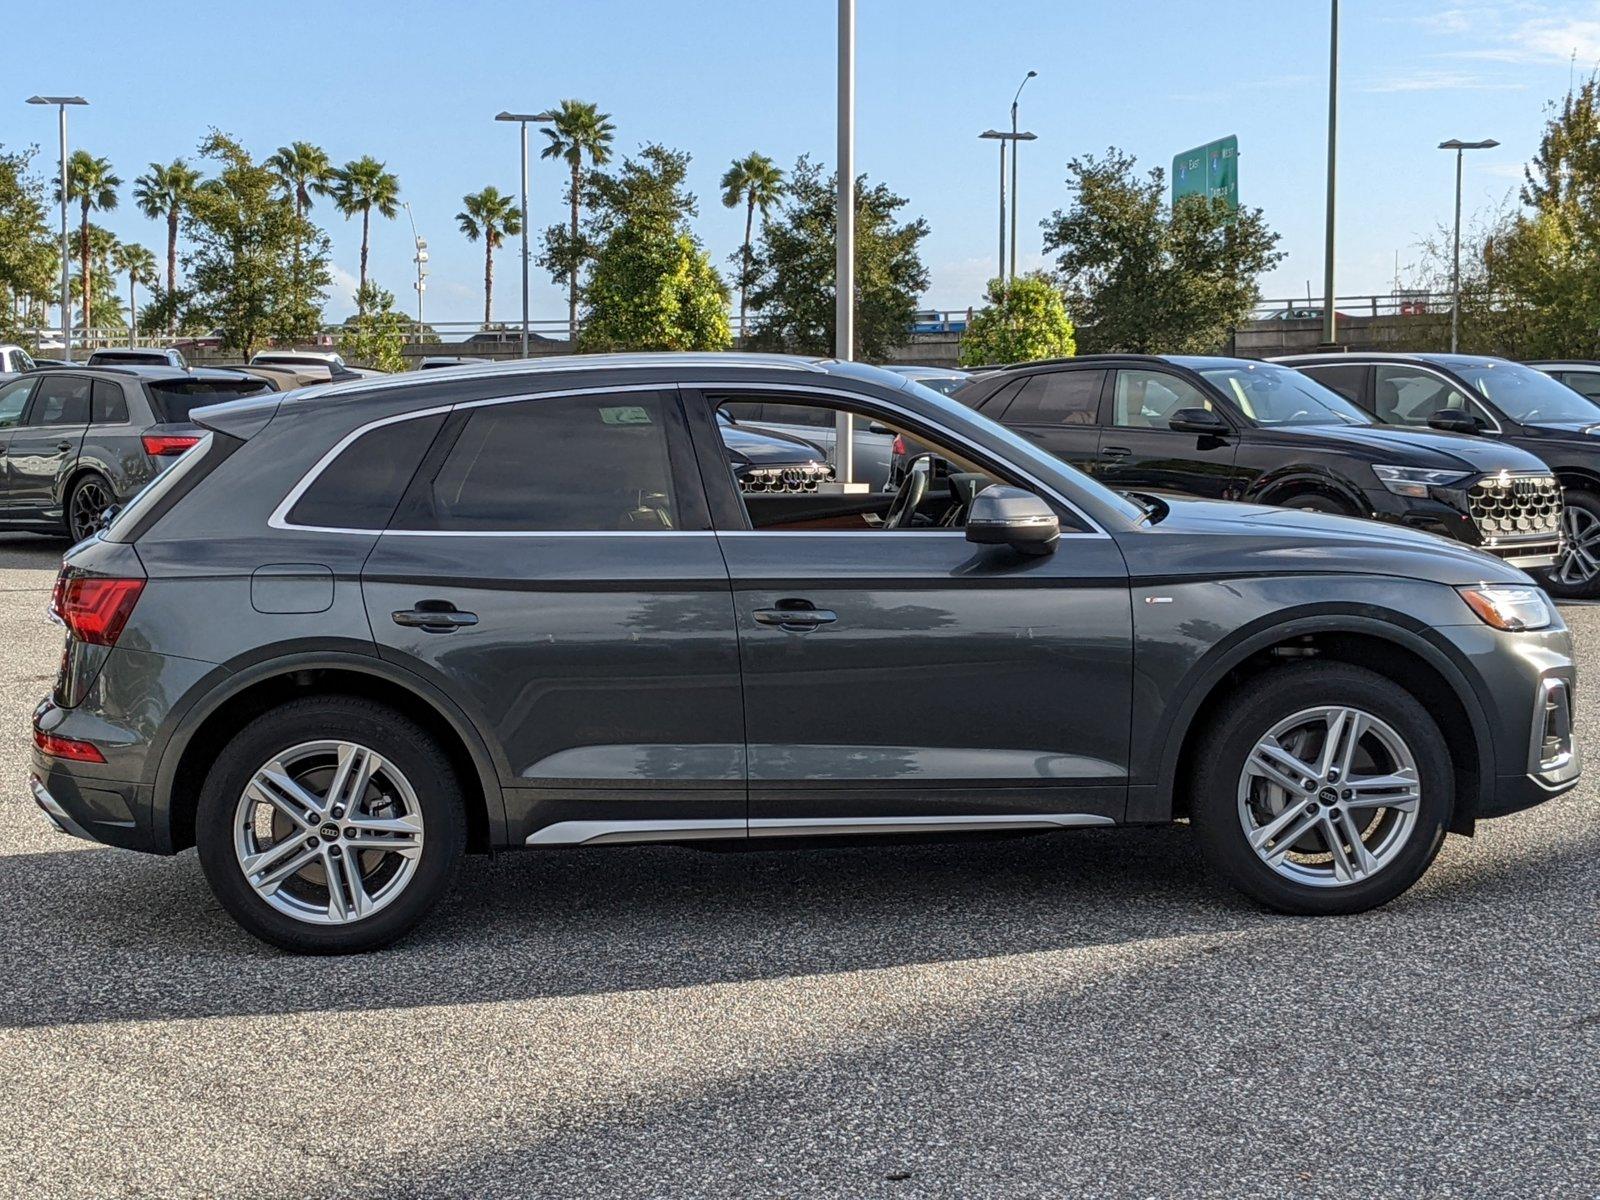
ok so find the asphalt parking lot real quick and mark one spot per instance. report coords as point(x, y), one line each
point(1080, 1014)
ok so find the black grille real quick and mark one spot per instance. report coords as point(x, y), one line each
point(804, 477)
point(1516, 506)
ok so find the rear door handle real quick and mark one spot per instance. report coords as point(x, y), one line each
point(796, 616)
point(434, 616)
point(1115, 452)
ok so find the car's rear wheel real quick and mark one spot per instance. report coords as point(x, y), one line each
point(1577, 572)
point(1325, 788)
point(87, 501)
point(330, 825)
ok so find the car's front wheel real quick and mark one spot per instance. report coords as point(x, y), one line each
point(330, 825)
point(1577, 572)
point(1324, 788)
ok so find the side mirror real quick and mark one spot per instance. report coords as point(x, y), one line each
point(1009, 516)
point(1200, 421)
point(106, 517)
point(878, 427)
point(1453, 420)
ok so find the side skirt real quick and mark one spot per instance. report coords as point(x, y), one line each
point(595, 833)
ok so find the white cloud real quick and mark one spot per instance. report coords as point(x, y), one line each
point(1525, 32)
point(1441, 81)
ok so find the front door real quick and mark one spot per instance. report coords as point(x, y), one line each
point(898, 678)
point(41, 451)
point(1140, 452)
point(13, 402)
point(552, 569)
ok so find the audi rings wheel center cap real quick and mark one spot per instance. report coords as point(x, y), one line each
point(329, 832)
point(1327, 795)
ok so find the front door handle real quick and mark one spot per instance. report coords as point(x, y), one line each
point(796, 616)
point(1115, 452)
point(434, 616)
point(63, 446)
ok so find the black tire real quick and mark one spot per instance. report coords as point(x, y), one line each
point(1319, 502)
point(1581, 518)
point(1248, 716)
point(397, 739)
point(88, 497)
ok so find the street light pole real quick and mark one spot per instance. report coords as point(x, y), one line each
point(421, 260)
point(844, 284)
point(522, 119)
point(1460, 148)
point(1015, 154)
point(1014, 139)
point(1330, 333)
point(61, 103)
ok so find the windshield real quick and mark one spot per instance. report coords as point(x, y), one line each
point(1525, 395)
point(1271, 395)
point(174, 398)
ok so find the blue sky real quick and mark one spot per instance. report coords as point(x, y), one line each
point(417, 84)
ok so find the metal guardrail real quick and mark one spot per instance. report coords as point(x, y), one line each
point(1402, 303)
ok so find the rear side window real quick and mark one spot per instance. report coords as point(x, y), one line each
point(360, 488)
point(1058, 398)
point(60, 400)
point(109, 406)
point(1346, 381)
point(1585, 383)
point(562, 464)
point(173, 399)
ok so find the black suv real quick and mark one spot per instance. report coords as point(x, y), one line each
point(1237, 429)
point(361, 629)
point(1504, 403)
point(79, 440)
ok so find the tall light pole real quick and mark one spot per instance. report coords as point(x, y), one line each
point(844, 282)
point(1460, 148)
point(61, 103)
point(996, 135)
point(522, 119)
point(421, 259)
point(1015, 154)
point(1329, 333)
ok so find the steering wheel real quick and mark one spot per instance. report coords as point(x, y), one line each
point(913, 487)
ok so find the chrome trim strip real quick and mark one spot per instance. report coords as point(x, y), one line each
point(1557, 689)
point(594, 833)
point(58, 815)
point(819, 826)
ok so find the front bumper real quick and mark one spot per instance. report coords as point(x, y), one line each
point(1467, 513)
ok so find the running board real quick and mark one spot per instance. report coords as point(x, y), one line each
point(595, 833)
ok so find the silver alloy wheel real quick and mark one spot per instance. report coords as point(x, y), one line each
point(89, 501)
point(328, 832)
point(1329, 796)
point(1580, 557)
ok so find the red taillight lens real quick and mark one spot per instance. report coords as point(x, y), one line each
point(63, 747)
point(899, 446)
point(95, 609)
point(161, 444)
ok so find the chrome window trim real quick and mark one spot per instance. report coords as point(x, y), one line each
point(594, 833)
point(279, 518)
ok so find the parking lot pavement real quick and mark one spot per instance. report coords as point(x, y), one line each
point(1079, 1014)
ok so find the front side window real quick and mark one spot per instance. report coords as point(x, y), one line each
point(61, 400)
point(1403, 395)
point(1526, 395)
point(1271, 395)
point(13, 399)
point(1149, 399)
point(1585, 383)
point(585, 464)
point(21, 361)
point(1057, 398)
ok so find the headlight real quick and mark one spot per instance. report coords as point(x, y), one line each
point(1510, 606)
point(1415, 481)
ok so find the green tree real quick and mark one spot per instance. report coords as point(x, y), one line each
point(162, 193)
point(1147, 278)
point(29, 259)
point(579, 130)
point(244, 235)
point(92, 184)
point(489, 215)
point(792, 270)
point(1023, 320)
point(303, 172)
point(359, 187)
point(139, 265)
point(756, 182)
point(651, 286)
point(376, 336)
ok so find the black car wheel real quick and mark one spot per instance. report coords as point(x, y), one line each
point(330, 825)
point(87, 501)
point(1577, 572)
point(1325, 788)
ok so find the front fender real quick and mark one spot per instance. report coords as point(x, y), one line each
point(1279, 485)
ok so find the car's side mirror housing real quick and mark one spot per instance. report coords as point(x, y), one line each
point(1200, 421)
point(1010, 516)
point(1453, 420)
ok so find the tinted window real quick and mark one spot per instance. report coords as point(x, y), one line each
point(1409, 396)
point(1344, 380)
point(360, 488)
point(13, 397)
point(995, 406)
point(562, 464)
point(1585, 383)
point(1272, 395)
point(176, 397)
point(1147, 399)
point(61, 400)
point(1057, 398)
point(110, 406)
point(1524, 394)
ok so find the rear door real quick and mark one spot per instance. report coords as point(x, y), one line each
point(1057, 409)
point(43, 449)
point(1140, 452)
point(552, 568)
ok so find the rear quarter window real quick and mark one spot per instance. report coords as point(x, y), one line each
point(360, 488)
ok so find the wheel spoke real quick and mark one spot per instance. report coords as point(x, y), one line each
point(273, 785)
point(1344, 736)
point(1284, 843)
point(399, 835)
point(355, 770)
point(1399, 791)
point(1276, 765)
point(1361, 861)
point(1343, 870)
point(347, 895)
point(267, 871)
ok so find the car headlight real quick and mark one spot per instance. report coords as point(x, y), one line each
point(1513, 607)
point(1415, 481)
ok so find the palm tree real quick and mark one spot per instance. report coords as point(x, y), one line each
point(93, 184)
point(756, 182)
point(303, 170)
point(165, 192)
point(489, 215)
point(359, 187)
point(579, 129)
point(139, 265)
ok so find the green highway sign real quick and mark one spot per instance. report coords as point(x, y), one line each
point(1209, 170)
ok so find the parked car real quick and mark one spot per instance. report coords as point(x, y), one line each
point(945, 380)
point(816, 428)
point(933, 321)
point(1504, 403)
point(435, 362)
point(14, 359)
point(1305, 313)
point(767, 461)
point(80, 440)
point(134, 356)
point(415, 631)
point(324, 364)
point(1581, 376)
point(1236, 429)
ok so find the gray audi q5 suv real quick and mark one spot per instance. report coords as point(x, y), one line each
point(363, 628)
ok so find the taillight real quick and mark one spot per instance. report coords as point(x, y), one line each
point(93, 608)
point(899, 446)
point(65, 747)
point(159, 445)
